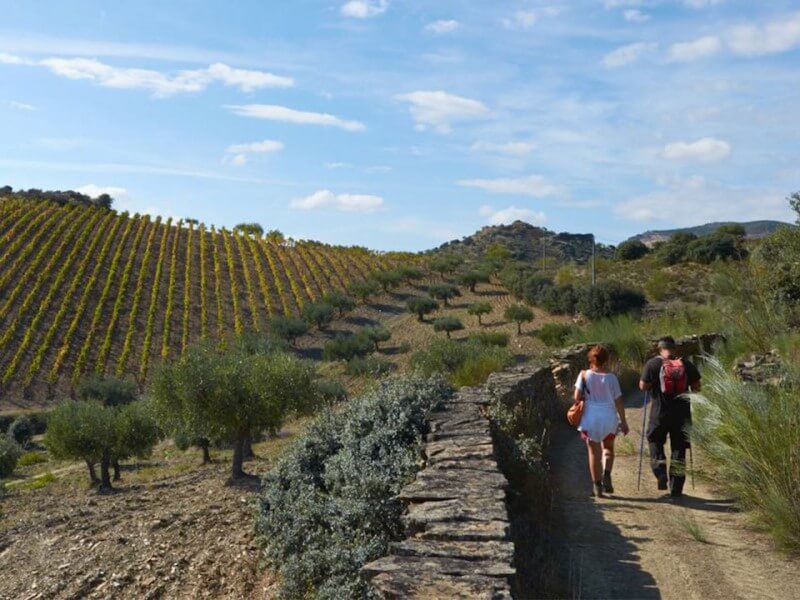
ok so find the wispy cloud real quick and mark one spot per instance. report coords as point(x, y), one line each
point(626, 55)
point(525, 19)
point(440, 109)
point(54, 143)
point(694, 50)
point(535, 186)
point(20, 105)
point(273, 112)
point(703, 150)
point(772, 37)
point(633, 15)
point(515, 148)
point(506, 216)
point(364, 9)
point(159, 83)
point(93, 191)
point(325, 199)
point(442, 26)
point(241, 152)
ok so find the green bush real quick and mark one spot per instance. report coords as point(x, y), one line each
point(109, 391)
point(778, 256)
point(319, 314)
point(330, 504)
point(341, 302)
point(751, 434)
point(31, 458)
point(21, 430)
point(376, 334)
point(555, 335)
point(421, 306)
point(476, 369)
point(610, 298)
point(363, 290)
point(387, 279)
point(371, 366)
point(444, 292)
point(410, 274)
point(448, 325)
point(489, 338)
point(463, 363)
point(331, 391)
point(471, 279)
point(631, 250)
point(287, 328)
point(519, 314)
point(10, 452)
point(479, 309)
point(347, 347)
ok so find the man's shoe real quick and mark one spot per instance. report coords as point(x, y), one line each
point(607, 486)
point(663, 482)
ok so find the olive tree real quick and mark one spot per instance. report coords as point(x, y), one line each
point(479, 309)
point(444, 292)
point(387, 279)
point(341, 302)
point(231, 395)
point(421, 306)
point(320, 314)
point(364, 290)
point(448, 325)
point(287, 328)
point(471, 279)
point(376, 335)
point(519, 313)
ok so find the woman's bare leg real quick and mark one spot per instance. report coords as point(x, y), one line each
point(608, 454)
point(595, 460)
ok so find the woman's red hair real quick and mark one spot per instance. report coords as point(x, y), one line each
point(598, 356)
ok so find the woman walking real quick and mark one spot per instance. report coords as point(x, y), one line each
point(603, 416)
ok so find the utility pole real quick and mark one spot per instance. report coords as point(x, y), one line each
point(594, 273)
point(544, 255)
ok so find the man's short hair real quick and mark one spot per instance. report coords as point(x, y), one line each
point(666, 343)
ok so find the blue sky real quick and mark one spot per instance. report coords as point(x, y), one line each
point(400, 124)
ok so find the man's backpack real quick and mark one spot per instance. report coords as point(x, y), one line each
point(673, 377)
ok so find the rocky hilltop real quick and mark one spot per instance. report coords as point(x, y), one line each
point(753, 229)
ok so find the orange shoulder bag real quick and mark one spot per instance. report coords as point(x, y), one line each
point(575, 412)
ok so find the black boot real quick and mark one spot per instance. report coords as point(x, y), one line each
point(607, 485)
point(598, 489)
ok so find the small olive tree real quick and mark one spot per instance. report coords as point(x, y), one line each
point(287, 328)
point(320, 314)
point(364, 290)
point(376, 335)
point(421, 306)
point(471, 279)
point(387, 279)
point(231, 395)
point(479, 309)
point(448, 325)
point(341, 302)
point(519, 313)
point(444, 292)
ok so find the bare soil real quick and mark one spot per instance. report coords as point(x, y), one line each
point(639, 544)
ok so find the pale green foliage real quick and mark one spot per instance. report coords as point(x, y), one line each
point(10, 452)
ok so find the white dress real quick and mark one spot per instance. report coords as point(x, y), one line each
point(600, 418)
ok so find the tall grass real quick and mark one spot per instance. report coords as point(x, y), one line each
point(752, 434)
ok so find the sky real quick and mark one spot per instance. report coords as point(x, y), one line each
point(401, 124)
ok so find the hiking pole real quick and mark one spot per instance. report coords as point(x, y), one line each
point(691, 464)
point(641, 442)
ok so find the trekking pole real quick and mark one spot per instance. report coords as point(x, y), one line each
point(641, 442)
point(691, 464)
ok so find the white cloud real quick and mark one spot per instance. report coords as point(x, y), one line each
point(442, 26)
point(61, 143)
point(626, 55)
point(525, 19)
point(535, 186)
point(12, 59)
point(273, 112)
point(359, 203)
point(161, 84)
point(699, 48)
point(439, 109)
point(701, 3)
point(364, 9)
point(255, 147)
point(20, 105)
point(93, 191)
point(337, 165)
point(239, 160)
point(633, 15)
point(506, 216)
point(773, 37)
point(622, 3)
point(516, 148)
point(703, 150)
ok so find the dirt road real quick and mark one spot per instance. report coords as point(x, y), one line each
point(640, 545)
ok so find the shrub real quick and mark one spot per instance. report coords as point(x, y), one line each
point(363, 290)
point(631, 250)
point(489, 338)
point(750, 433)
point(448, 325)
point(421, 306)
point(343, 476)
point(464, 363)
point(319, 314)
point(445, 265)
point(341, 302)
point(443, 292)
point(519, 314)
point(232, 396)
point(347, 347)
point(471, 279)
point(31, 458)
point(331, 391)
point(376, 335)
point(287, 328)
point(10, 452)
point(610, 298)
point(387, 279)
point(715, 247)
point(370, 365)
point(479, 309)
point(410, 274)
point(555, 335)
point(476, 369)
point(779, 258)
point(559, 300)
point(109, 391)
point(21, 430)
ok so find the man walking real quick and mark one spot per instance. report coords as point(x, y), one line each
point(669, 378)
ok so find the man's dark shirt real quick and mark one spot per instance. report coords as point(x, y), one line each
point(663, 408)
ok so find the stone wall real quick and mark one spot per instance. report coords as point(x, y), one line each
point(458, 542)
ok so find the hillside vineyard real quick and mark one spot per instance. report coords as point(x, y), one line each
point(87, 290)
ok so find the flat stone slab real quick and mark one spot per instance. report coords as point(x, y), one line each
point(447, 484)
point(477, 448)
point(466, 531)
point(443, 565)
point(473, 464)
point(431, 586)
point(471, 509)
point(487, 550)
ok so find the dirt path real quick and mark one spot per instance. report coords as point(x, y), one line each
point(641, 545)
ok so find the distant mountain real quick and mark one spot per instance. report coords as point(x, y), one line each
point(754, 230)
point(528, 242)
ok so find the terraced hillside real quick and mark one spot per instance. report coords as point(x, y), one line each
point(86, 290)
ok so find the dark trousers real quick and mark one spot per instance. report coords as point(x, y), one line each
point(674, 427)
